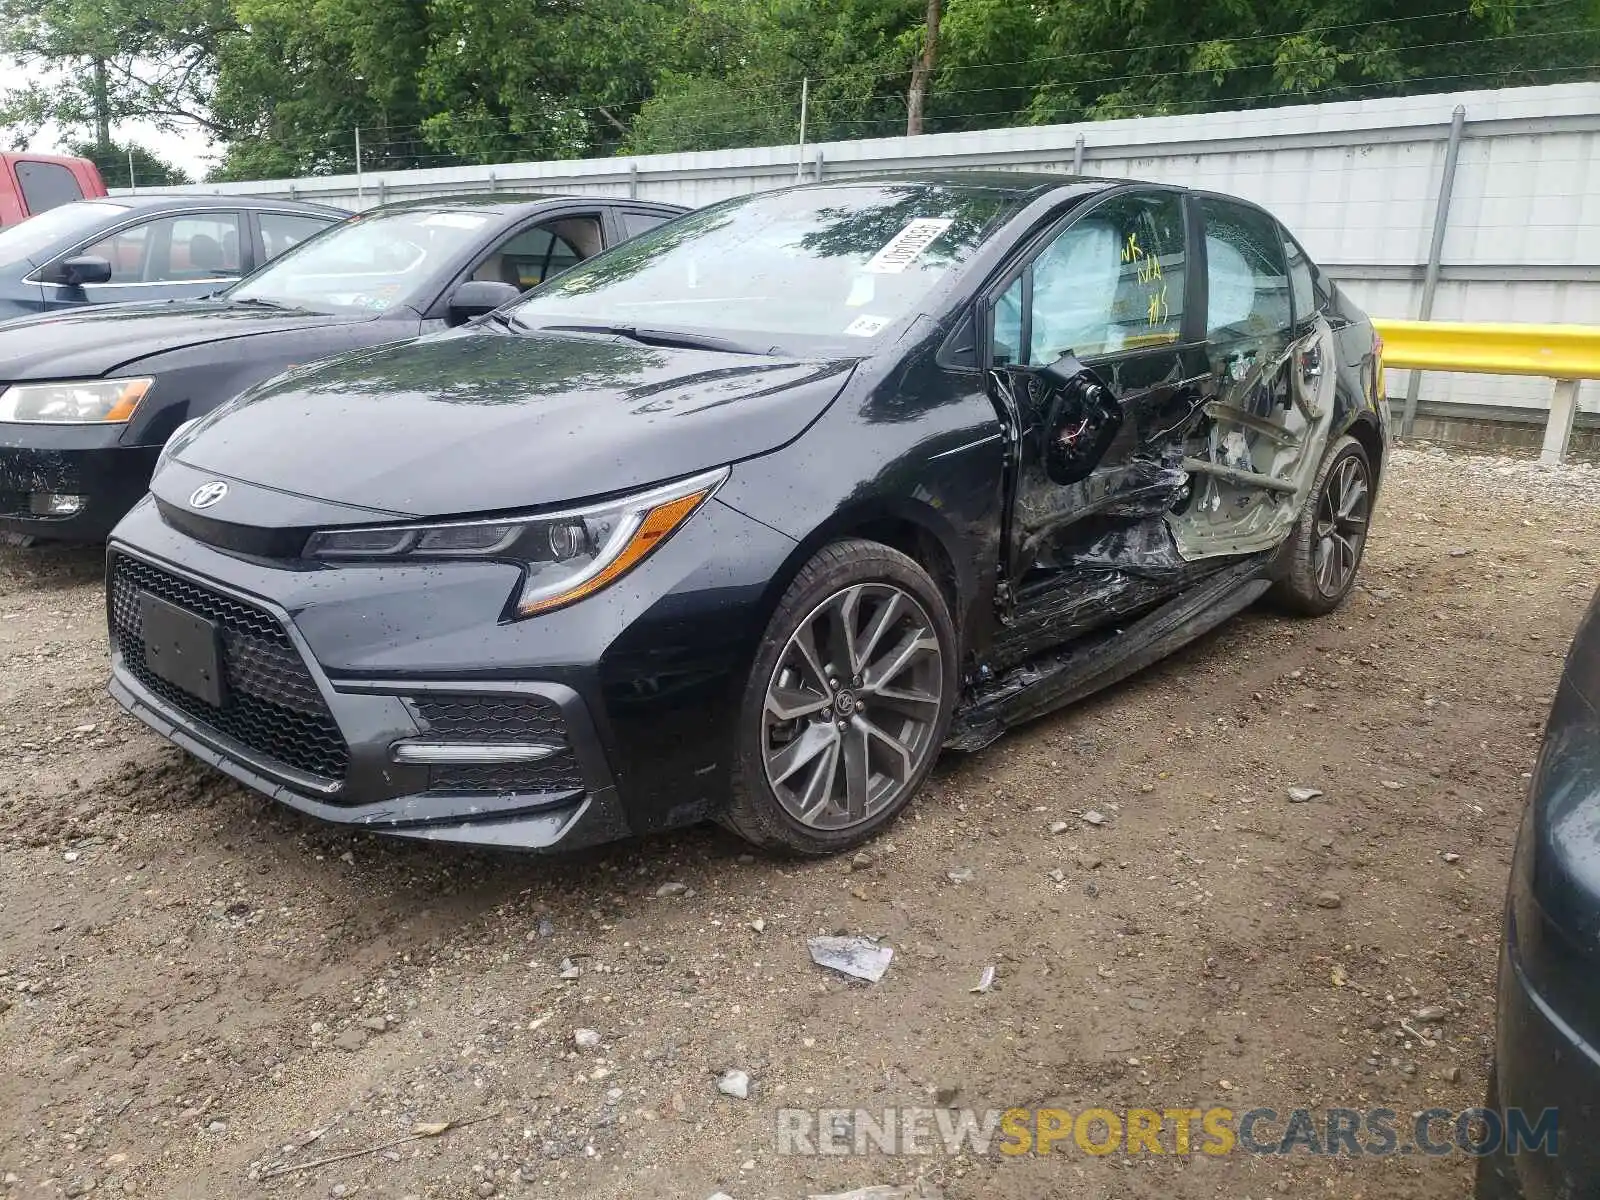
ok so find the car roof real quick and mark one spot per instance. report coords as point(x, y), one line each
point(1016, 185)
point(510, 203)
point(140, 201)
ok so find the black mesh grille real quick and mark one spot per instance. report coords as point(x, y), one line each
point(491, 719)
point(272, 704)
point(499, 719)
point(556, 774)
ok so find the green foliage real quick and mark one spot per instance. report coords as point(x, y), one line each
point(284, 84)
point(157, 61)
point(149, 171)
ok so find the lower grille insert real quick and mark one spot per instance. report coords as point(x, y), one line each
point(272, 704)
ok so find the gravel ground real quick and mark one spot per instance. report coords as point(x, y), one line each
point(198, 990)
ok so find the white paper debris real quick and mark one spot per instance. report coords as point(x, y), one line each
point(858, 957)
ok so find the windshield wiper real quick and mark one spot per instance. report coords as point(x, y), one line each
point(258, 302)
point(503, 319)
point(661, 337)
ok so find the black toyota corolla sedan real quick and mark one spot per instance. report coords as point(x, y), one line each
point(88, 398)
point(1547, 1045)
point(749, 517)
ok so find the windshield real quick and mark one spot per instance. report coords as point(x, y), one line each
point(368, 263)
point(39, 237)
point(802, 268)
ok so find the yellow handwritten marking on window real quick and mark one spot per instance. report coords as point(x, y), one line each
point(1159, 313)
point(1130, 249)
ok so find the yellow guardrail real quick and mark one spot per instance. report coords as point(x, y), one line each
point(1553, 351)
point(1564, 353)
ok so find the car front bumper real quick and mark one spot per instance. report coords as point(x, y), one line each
point(84, 464)
point(336, 675)
point(1542, 1062)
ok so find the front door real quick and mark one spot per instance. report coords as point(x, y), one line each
point(1098, 433)
point(165, 258)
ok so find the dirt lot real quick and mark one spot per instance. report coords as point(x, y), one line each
point(197, 988)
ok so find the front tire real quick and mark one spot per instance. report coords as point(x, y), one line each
point(847, 704)
point(1323, 553)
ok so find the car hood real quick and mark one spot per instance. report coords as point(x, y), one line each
point(87, 342)
point(490, 422)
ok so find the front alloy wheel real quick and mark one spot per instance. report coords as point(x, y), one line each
point(853, 706)
point(847, 702)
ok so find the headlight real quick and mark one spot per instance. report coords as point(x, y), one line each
point(567, 555)
point(73, 401)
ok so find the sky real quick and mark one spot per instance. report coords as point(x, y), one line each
point(187, 147)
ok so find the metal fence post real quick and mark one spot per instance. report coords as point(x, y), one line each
point(633, 181)
point(818, 175)
point(1430, 281)
point(1563, 407)
point(1077, 156)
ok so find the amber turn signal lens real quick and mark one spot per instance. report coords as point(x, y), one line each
point(657, 525)
point(128, 400)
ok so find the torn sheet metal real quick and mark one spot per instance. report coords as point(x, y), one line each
point(1272, 424)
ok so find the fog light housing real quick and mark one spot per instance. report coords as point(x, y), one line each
point(56, 504)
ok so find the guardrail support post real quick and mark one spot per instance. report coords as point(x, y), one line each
point(1430, 281)
point(1077, 156)
point(1563, 407)
point(633, 181)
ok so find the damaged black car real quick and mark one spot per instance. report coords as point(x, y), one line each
point(748, 518)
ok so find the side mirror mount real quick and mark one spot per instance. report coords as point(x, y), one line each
point(476, 297)
point(85, 268)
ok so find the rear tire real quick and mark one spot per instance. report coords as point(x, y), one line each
point(848, 702)
point(1323, 554)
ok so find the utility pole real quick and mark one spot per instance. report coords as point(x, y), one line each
point(133, 184)
point(921, 71)
point(358, 166)
point(800, 154)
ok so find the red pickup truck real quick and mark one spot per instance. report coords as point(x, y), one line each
point(31, 183)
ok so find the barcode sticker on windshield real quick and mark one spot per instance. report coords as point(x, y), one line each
point(866, 326)
point(904, 247)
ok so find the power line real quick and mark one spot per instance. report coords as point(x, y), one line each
point(1193, 107)
point(820, 81)
point(1069, 85)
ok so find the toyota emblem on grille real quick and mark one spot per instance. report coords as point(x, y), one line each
point(207, 494)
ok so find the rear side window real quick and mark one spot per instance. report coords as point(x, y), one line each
point(46, 185)
point(635, 222)
point(1302, 288)
point(280, 231)
point(1247, 286)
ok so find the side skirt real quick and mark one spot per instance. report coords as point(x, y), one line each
point(1066, 676)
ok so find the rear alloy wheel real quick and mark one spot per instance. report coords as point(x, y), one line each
point(848, 703)
point(1324, 550)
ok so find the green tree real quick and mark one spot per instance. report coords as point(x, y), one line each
point(112, 60)
point(149, 171)
point(1064, 60)
point(309, 72)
